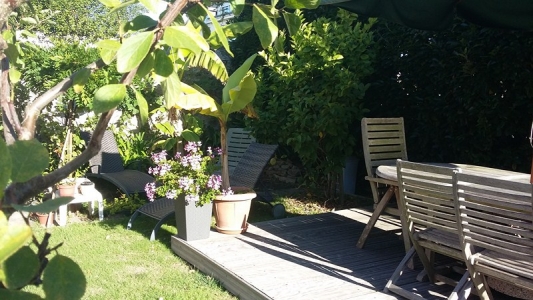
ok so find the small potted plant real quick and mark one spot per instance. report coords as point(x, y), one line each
point(189, 179)
point(67, 187)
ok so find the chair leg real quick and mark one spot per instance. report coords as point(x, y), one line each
point(374, 218)
point(391, 284)
point(405, 228)
point(463, 288)
point(158, 225)
point(135, 214)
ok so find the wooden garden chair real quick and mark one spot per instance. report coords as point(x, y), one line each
point(383, 144)
point(426, 199)
point(495, 220)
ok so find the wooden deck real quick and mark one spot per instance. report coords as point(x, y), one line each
point(307, 257)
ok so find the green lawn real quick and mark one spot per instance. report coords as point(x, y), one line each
point(124, 264)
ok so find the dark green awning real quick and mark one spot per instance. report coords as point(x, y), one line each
point(439, 14)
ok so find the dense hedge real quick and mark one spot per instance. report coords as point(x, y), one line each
point(465, 93)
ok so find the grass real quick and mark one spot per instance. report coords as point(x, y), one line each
point(124, 264)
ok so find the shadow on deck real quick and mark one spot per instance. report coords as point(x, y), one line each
point(307, 257)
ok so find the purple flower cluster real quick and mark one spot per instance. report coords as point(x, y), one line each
point(159, 157)
point(149, 188)
point(189, 174)
point(192, 160)
point(185, 183)
point(214, 182)
point(190, 199)
point(193, 147)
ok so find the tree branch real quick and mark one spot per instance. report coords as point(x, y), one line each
point(18, 193)
point(33, 110)
point(9, 115)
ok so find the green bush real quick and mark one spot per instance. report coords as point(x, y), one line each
point(310, 96)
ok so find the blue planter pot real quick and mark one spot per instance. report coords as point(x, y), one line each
point(193, 222)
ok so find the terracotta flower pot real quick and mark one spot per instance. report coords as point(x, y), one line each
point(45, 219)
point(66, 190)
point(231, 211)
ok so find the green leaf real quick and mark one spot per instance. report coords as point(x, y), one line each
point(46, 206)
point(235, 30)
point(299, 4)
point(5, 167)
point(80, 79)
point(13, 239)
point(146, 65)
point(165, 128)
point(20, 268)
point(110, 3)
point(122, 5)
point(29, 20)
point(266, 30)
point(163, 64)
point(237, 6)
point(134, 49)
point(143, 106)
point(151, 5)
point(183, 37)
point(190, 136)
point(108, 50)
point(171, 90)
point(218, 29)
point(169, 144)
point(197, 15)
point(241, 95)
point(29, 157)
point(14, 75)
point(19, 295)
point(235, 78)
point(193, 99)
point(63, 279)
point(140, 22)
point(293, 22)
point(12, 52)
point(108, 97)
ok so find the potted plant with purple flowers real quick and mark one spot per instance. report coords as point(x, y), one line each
point(189, 179)
point(233, 207)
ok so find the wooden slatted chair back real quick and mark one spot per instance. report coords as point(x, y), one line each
point(496, 228)
point(383, 142)
point(426, 195)
point(239, 140)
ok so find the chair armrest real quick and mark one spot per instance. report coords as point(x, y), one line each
point(381, 180)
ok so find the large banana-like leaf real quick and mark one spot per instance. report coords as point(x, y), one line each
point(240, 96)
point(193, 99)
point(236, 78)
point(210, 61)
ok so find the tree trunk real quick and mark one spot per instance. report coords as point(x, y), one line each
point(224, 156)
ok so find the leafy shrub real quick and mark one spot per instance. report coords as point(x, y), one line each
point(310, 97)
point(125, 204)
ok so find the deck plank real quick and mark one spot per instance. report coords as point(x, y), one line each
point(307, 257)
